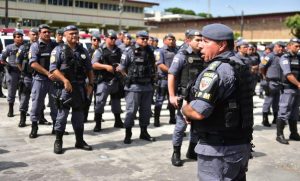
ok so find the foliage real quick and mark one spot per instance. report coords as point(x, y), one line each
point(204, 15)
point(180, 11)
point(293, 22)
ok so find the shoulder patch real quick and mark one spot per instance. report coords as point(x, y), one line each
point(206, 80)
point(123, 57)
point(285, 62)
point(208, 87)
point(29, 55)
point(176, 59)
point(52, 59)
point(264, 61)
point(157, 55)
point(83, 56)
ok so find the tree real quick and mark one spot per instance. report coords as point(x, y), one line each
point(204, 15)
point(293, 22)
point(180, 11)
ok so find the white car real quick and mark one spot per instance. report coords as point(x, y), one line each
point(7, 40)
point(86, 43)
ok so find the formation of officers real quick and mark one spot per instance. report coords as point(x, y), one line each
point(209, 82)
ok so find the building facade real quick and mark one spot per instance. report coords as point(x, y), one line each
point(256, 28)
point(102, 14)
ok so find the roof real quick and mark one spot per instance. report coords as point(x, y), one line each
point(146, 4)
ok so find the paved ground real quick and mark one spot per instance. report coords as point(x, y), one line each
point(23, 159)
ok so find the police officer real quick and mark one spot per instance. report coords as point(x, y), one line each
point(138, 63)
point(185, 44)
point(39, 60)
point(59, 36)
point(25, 83)
point(271, 73)
point(12, 72)
point(185, 67)
point(120, 37)
point(126, 42)
point(2, 72)
point(255, 60)
point(221, 108)
point(289, 99)
point(105, 60)
point(164, 57)
point(71, 64)
point(96, 40)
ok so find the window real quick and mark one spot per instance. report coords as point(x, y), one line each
point(60, 2)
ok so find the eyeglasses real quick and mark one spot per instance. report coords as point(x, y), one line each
point(112, 38)
point(144, 39)
point(96, 40)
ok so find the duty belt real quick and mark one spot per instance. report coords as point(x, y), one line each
point(217, 140)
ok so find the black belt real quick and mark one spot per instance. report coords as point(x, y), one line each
point(216, 140)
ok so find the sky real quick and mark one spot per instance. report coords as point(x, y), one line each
point(229, 7)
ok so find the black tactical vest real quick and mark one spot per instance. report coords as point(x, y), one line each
point(193, 66)
point(73, 66)
point(295, 69)
point(26, 68)
point(45, 53)
point(109, 58)
point(232, 118)
point(142, 68)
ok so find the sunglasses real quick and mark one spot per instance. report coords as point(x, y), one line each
point(96, 40)
point(144, 39)
point(45, 32)
point(112, 38)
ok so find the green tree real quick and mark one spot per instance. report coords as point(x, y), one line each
point(293, 22)
point(180, 11)
point(204, 15)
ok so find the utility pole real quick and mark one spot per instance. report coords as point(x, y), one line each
point(6, 13)
point(208, 10)
point(121, 10)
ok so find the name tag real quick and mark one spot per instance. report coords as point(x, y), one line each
point(45, 54)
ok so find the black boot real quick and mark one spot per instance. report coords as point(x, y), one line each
point(265, 121)
point(10, 110)
point(22, 119)
point(191, 154)
point(98, 118)
point(80, 143)
point(34, 130)
point(280, 137)
point(145, 135)
point(128, 135)
point(43, 120)
point(58, 143)
point(294, 131)
point(156, 116)
point(176, 161)
point(275, 114)
point(172, 115)
point(118, 121)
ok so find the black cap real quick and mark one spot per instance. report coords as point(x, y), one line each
point(70, 28)
point(187, 32)
point(44, 26)
point(280, 43)
point(96, 35)
point(169, 35)
point(217, 31)
point(128, 36)
point(111, 33)
point(60, 31)
point(142, 34)
point(18, 32)
point(294, 40)
point(34, 30)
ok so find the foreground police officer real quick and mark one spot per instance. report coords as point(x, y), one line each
point(138, 63)
point(164, 57)
point(186, 65)
point(105, 61)
point(221, 108)
point(71, 64)
point(39, 60)
point(12, 72)
point(290, 98)
point(272, 75)
point(25, 83)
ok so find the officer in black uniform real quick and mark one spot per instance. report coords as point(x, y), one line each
point(186, 65)
point(96, 40)
point(25, 83)
point(290, 98)
point(138, 64)
point(164, 58)
point(12, 72)
point(272, 75)
point(105, 61)
point(2, 73)
point(70, 64)
point(221, 108)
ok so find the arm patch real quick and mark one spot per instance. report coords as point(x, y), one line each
point(207, 90)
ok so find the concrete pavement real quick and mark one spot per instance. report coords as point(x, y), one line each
point(23, 159)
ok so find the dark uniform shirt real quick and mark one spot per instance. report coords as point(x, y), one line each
point(11, 53)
